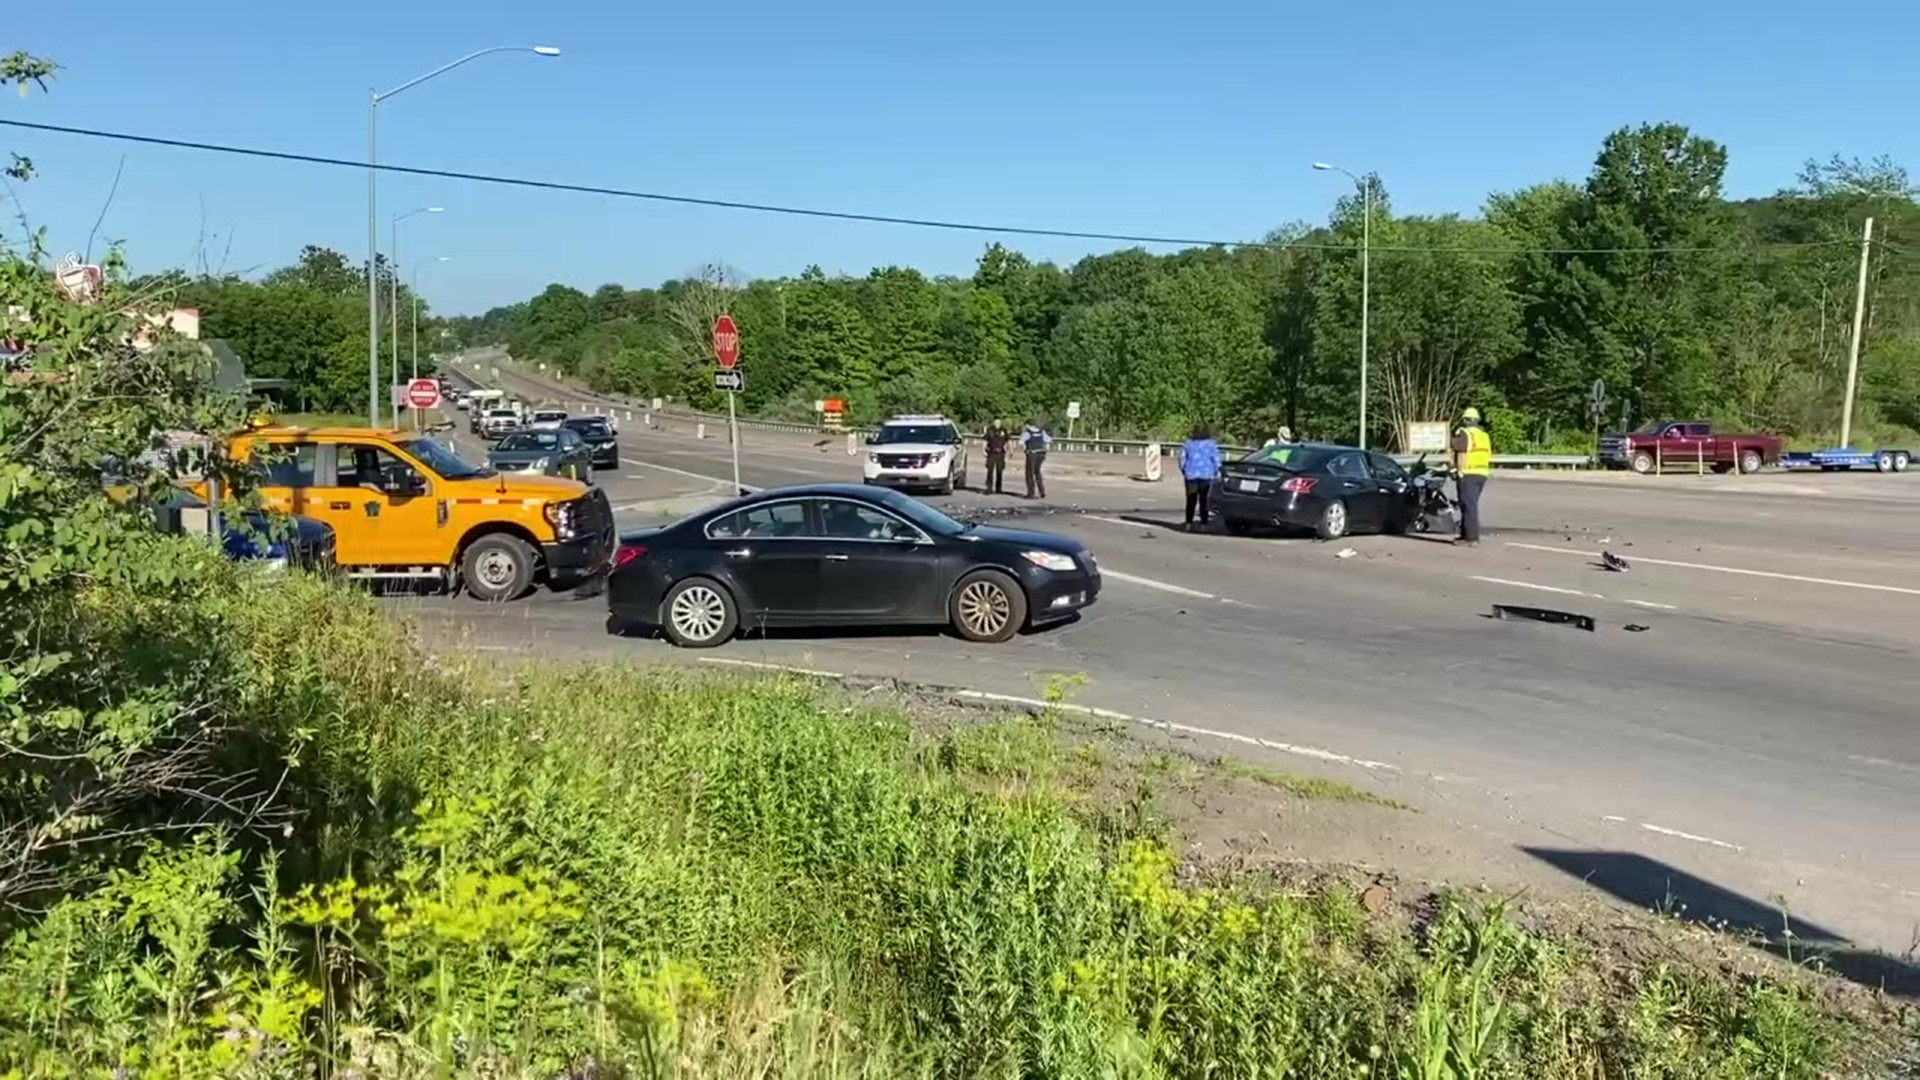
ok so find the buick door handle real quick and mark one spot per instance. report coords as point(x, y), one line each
point(739, 553)
point(836, 558)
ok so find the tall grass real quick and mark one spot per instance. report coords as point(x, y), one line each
point(597, 871)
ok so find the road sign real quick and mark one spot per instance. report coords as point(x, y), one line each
point(1426, 437)
point(423, 393)
point(726, 342)
point(732, 380)
point(1073, 410)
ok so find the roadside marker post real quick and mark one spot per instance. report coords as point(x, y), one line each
point(699, 431)
point(1152, 453)
point(853, 444)
point(726, 352)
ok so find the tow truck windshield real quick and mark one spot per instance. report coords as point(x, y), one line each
point(444, 462)
point(936, 434)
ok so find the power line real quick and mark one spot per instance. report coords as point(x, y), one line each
point(848, 215)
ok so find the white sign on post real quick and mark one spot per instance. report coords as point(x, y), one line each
point(1073, 410)
point(1152, 454)
point(656, 404)
point(1427, 437)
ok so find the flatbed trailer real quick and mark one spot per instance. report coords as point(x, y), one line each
point(1883, 460)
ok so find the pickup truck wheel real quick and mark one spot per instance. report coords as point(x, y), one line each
point(1641, 462)
point(1751, 460)
point(497, 568)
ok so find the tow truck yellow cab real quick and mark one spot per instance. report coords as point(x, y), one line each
point(404, 506)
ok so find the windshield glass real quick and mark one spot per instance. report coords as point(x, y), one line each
point(941, 434)
point(918, 512)
point(1654, 427)
point(442, 461)
point(530, 440)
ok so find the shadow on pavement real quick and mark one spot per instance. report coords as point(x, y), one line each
point(1657, 886)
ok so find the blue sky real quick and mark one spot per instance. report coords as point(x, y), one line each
point(1192, 119)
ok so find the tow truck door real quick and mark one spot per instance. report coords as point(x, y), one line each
point(372, 528)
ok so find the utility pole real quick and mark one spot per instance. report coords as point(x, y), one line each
point(1853, 347)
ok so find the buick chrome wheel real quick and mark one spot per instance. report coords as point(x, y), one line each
point(984, 608)
point(698, 613)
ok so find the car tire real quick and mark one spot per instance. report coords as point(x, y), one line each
point(1641, 462)
point(498, 568)
point(699, 613)
point(1883, 462)
point(945, 487)
point(1751, 460)
point(1900, 461)
point(987, 606)
point(1333, 521)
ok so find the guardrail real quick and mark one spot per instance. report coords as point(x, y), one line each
point(1132, 447)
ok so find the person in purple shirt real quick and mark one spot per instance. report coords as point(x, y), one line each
point(1200, 465)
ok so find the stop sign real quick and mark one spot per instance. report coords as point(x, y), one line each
point(726, 342)
point(423, 393)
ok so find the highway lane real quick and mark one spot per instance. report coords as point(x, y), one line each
point(1766, 720)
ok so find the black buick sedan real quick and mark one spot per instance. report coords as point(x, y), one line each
point(842, 555)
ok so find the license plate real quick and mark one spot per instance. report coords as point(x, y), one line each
point(1249, 485)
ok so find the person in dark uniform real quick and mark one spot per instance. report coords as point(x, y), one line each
point(1033, 445)
point(996, 440)
point(1472, 463)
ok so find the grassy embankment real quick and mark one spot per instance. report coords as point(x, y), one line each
point(477, 872)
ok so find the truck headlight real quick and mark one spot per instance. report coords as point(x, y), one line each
point(563, 517)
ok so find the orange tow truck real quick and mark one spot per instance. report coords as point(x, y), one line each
point(404, 506)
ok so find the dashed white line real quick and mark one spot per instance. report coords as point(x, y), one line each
point(721, 480)
point(1774, 574)
point(1109, 520)
point(1098, 713)
point(1151, 583)
point(1531, 585)
point(1695, 837)
point(1654, 605)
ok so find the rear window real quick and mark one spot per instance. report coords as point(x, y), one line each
point(590, 427)
point(1300, 459)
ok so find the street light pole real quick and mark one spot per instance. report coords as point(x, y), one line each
point(374, 98)
point(1366, 279)
point(393, 287)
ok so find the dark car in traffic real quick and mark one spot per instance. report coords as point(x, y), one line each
point(278, 541)
point(602, 441)
point(1325, 489)
point(842, 555)
point(549, 451)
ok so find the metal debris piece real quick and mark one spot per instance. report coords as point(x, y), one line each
point(1614, 562)
point(1635, 628)
point(1549, 615)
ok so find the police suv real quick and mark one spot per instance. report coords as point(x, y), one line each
point(917, 452)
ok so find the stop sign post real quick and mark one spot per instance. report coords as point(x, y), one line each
point(423, 393)
point(726, 353)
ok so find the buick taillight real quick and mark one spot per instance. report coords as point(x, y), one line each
point(626, 554)
point(1299, 485)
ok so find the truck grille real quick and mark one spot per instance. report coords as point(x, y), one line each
point(595, 522)
point(905, 461)
point(1613, 447)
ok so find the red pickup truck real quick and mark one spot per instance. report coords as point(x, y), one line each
point(1687, 444)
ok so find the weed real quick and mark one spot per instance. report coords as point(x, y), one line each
point(1306, 787)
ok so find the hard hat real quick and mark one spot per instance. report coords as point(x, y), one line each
point(1470, 413)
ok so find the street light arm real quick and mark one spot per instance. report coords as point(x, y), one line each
point(469, 58)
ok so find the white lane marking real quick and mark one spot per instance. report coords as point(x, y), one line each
point(1109, 520)
point(1150, 583)
point(1531, 585)
point(1777, 576)
point(1696, 838)
point(721, 480)
point(1653, 605)
point(1098, 713)
point(789, 669)
point(1612, 817)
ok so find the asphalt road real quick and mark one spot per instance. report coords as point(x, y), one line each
point(1743, 716)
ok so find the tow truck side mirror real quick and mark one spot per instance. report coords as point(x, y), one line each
point(401, 480)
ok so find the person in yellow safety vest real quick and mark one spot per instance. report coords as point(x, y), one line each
point(1472, 461)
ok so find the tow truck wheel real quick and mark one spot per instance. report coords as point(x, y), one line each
point(1641, 462)
point(1883, 462)
point(497, 568)
point(1900, 461)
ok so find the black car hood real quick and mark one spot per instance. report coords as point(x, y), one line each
point(1044, 541)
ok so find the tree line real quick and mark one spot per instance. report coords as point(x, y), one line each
point(1645, 276)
